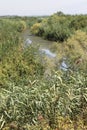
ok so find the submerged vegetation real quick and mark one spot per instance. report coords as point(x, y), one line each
point(37, 95)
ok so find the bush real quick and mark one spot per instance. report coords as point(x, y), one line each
point(21, 26)
point(35, 28)
point(52, 28)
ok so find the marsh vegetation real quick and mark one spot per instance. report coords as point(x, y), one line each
point(43, 72)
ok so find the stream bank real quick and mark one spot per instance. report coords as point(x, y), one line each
point(50, 59)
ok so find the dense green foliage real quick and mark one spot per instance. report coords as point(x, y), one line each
point(59, 27)
point(30, 99)
point(64, 96)
point(16, 61)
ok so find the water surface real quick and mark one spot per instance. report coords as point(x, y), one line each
point(45, 48)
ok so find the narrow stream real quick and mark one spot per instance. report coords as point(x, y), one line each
point(45, 48)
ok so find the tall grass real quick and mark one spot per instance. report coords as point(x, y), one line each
point(28, 99)
point(65, 96)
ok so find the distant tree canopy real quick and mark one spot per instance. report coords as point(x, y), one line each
point(59, 13)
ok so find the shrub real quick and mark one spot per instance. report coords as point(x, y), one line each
point(52, 28)
point(35, 28)
point(21, 26)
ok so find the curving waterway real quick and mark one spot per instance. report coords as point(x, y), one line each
point(45, 49)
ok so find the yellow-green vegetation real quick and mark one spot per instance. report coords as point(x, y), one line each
point(30, 99)
point(16, 61)
point(74, 48)
point(59, 104)
point(21, 26)
point(35, 28)
point(60, 27)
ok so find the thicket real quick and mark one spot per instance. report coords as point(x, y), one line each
point(59, 27)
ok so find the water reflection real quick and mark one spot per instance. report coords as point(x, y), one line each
point(28, 42)
point(48, 53)
point(64, 66)
point(44, 48)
